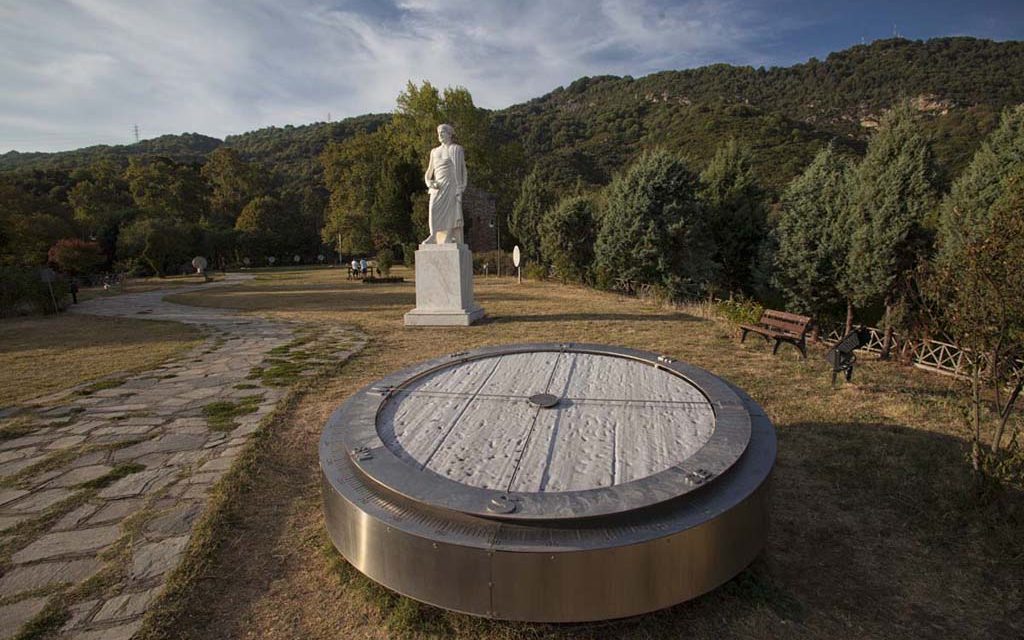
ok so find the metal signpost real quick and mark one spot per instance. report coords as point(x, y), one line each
point(48, 275)
point(516, 260)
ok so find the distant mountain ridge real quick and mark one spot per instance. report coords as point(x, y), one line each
point(591, 128)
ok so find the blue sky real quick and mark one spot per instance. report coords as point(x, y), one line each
point(81, 72)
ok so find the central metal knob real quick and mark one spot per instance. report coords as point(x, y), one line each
point(543, 400)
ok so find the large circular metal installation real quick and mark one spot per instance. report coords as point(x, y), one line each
point(548, 482)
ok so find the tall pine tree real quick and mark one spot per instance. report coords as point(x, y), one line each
point(811, 242)
point(893, 196)
point(653, 228)
point(965, 212)
point(736, 215)
point(567, 238)
point(533, 203)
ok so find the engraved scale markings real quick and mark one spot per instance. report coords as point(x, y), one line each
point(616, 420)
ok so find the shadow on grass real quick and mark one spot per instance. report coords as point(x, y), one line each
point(871, 524)
point(308, 298)
point(575, 317)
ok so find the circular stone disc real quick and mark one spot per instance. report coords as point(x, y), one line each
point(608, 421)
point(627, 431)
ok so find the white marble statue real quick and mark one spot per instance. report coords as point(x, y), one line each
point(446, 180)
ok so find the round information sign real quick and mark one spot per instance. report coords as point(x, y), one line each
point(515, 255)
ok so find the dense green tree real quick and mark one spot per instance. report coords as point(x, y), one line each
point(653, 228)
point(811, 240)
point(567, 236)
point(100, 199)
point(162, 188)
point(161, 245)
point(965, 211)
point(531, 206)
point(233, 183)
point(735, 208)
point(29, 225)
point(893, 195)
point(30, 237)
point(352, 172)
point(263, 226)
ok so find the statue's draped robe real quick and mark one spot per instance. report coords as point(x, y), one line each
point(450, 174)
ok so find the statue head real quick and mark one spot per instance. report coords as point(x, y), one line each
point(445, 133)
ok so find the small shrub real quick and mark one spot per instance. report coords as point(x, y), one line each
point(385, 260)
point(536, 272)
point(409, 254)
point(493, 259)
point(739, 311)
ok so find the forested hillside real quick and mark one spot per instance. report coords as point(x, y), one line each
point(186, 147)
point(355, 185)
point(594, 125)
point(294, 152)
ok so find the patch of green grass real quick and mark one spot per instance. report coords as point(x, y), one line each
point(47, 623)
point(220, 415)
point(281, 373)
point(246, 385)
point(100, 385)
point(115, 474)
point(17, 427)
point(403, 617)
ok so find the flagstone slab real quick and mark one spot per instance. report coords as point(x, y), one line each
point(81, 474)
point(45, 574)
point(155, 422)
point(67, 543)
point(39, 501)
point(126, 606)
point(13, 616)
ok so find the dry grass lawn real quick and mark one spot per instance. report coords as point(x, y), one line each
point(43, 355)
point(875, 533)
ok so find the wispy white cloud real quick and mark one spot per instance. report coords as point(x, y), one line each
point(77, 72)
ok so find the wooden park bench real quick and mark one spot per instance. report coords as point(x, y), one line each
point(780, 327)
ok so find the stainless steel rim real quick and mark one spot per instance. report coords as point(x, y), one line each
point(572, 556)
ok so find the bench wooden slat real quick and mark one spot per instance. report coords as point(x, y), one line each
point(781, 326)
point(769, 332)
point(784, 315)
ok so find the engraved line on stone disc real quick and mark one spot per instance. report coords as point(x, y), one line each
point(462, 411)
point(533, 424)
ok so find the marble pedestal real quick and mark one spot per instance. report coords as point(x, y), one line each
point(444, 287)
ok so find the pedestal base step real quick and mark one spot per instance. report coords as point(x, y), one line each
point(420, 318)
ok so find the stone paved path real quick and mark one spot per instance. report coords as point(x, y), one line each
point(98, 501)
